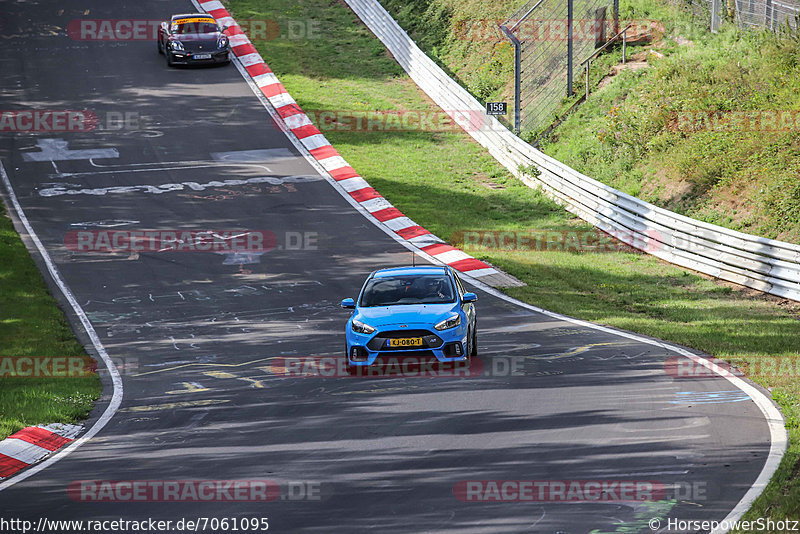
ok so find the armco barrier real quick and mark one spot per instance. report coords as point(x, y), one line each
point(765, 264)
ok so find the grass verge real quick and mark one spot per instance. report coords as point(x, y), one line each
point(31, 324)
point(449, 184)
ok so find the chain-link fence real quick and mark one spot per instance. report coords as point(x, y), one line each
point(547, 34)
point(549, 50)
point(772, 14)
point(775, 15)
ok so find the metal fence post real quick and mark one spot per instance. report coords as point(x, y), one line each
point(517, 82)
point(517, 76)
point(569, 46)
point(768, 14)
point(624, 44)
point(715, 16)
point(587, 79)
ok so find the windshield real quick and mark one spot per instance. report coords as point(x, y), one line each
point(193, 26)
point(414, 289)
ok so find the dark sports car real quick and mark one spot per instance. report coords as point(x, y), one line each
point(195, 38)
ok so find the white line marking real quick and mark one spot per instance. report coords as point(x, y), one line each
point(116, 379)
point(156, 169)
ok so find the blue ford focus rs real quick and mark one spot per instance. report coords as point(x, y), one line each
point(411, 311)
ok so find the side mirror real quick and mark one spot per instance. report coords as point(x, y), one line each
point(469, 297)
point(349, 304)
point(224, 29)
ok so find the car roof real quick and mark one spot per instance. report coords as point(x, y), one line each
point(399, 271)
point(192, 15)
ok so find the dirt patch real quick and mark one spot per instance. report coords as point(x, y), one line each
point(668, 189)
point(635, 62)
point(486, 182)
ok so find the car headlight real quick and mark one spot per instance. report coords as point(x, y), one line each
point(176, 45)
point(450, 322)
point(362, 328)
point(223, 42)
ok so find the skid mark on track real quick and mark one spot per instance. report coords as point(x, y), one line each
point(174, 405)
point(188, 387)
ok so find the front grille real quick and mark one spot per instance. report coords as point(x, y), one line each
point(419, 357)
point(200, 48)
point(429, 340)
point(395, 334)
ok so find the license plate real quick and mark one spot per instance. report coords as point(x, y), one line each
point(202, 56)
point(406, 342)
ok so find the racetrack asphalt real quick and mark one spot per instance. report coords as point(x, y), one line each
point(196, 333)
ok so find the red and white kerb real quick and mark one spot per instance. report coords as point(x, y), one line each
point(320, 148)
point(31, 444)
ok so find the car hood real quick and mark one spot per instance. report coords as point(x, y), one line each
point(203, 41)
point(428, 314)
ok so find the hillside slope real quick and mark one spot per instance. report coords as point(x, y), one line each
point(676, 132)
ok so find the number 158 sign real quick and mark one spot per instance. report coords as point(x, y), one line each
point(496, 108)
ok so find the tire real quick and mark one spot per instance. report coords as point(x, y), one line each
point(474, 342)
point(170, 64)
point(351, 369)
point(470, 348)
point(158, 43)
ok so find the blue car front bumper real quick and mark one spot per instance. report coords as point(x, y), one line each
point(446, 346)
